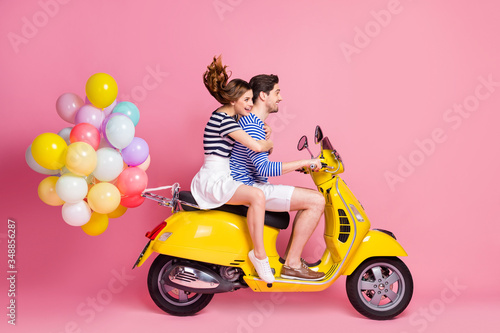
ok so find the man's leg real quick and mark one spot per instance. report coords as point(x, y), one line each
point(310, 205)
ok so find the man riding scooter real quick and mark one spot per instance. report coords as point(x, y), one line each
point(253, 168)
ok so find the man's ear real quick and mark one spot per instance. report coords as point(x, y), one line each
point(263, 96)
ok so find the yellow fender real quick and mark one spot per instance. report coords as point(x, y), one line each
point(375, 244)
point(210, 236)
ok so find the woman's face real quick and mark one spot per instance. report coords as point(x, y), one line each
point(244, 104)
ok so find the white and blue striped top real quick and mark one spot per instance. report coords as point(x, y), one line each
point(248, 166)
point(215, 138)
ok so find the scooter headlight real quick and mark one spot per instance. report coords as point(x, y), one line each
point(163, 237)
point(356, 213)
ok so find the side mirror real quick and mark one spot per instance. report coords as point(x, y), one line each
point(302, 143)
point(318, 135)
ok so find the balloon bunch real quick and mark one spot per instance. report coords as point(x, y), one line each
point(97, 168)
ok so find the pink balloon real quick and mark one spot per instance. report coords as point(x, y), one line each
point(84, 132)
point(132, 201)
point(67, 105)
point(132, 181)
point(91, 115)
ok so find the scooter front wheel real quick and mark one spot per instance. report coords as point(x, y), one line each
point(380, 288)
point(174, 301)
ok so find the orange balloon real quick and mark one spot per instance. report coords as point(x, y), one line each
point(117, 212)
point(97, 224)
point(104, 198)
point(81, 158)
point(47, 191)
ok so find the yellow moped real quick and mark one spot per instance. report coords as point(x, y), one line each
point(203, 252)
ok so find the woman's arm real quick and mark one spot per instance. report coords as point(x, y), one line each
point(245, 139)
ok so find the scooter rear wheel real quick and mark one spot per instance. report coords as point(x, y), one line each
point(174, 301)
point(380, 288)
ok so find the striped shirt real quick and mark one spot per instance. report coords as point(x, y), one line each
point(248, 166)
point(215, 138)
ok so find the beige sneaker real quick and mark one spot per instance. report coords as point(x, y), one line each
point(262, 267)
point(302, 273)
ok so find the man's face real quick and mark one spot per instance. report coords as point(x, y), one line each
point(273, 99)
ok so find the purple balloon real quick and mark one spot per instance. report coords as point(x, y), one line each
point(89, 114)
point(136, 152)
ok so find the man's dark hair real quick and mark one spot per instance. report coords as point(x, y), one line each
point(263, 82)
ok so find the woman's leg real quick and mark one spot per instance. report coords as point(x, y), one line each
point(256, 201)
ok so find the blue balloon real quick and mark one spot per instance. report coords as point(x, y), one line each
point(129, 109)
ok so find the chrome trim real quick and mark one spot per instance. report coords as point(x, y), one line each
point(192, 278)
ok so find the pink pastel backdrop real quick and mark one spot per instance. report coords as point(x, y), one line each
point(399, 87)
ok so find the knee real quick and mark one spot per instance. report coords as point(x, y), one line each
point(258, 198)
point(318, 202)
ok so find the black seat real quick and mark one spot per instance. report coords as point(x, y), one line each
point(279, 220)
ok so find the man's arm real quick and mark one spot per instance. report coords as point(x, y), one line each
point(295, 165)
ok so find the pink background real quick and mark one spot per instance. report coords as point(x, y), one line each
point(380, 103)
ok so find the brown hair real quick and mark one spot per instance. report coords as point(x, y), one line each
point(215, 79)
point(264, 83)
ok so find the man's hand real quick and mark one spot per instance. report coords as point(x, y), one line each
point(316, 163)
point(268, 131)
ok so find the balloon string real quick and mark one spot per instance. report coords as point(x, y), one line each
point(158, 188)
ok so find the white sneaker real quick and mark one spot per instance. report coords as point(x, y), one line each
point(262, 267)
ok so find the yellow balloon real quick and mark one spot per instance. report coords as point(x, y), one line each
point(97, 224)
point(81, 158)
point(117, 212)
point(101, 90)
point(103, 198)
point(47, 191)
point(49, 151)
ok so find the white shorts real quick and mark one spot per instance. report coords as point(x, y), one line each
point(278, 197)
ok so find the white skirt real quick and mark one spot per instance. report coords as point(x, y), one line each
point(213, 185)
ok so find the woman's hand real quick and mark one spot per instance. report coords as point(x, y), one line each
point(266, 145)
point(268, 131)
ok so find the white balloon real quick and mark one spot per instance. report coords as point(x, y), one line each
point(35, 166)
point(64, 133)
point(109, 164)
point(120, 131)
point(71, 188)
point(76, 214)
